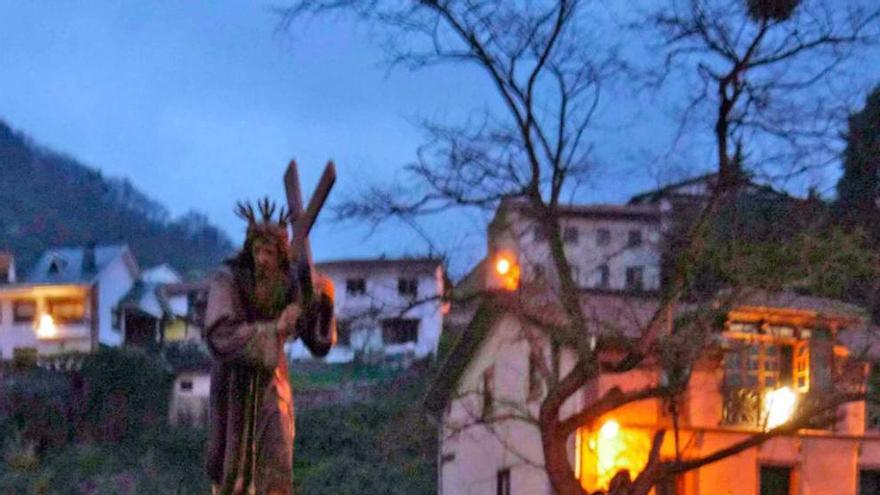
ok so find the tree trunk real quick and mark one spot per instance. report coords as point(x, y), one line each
point(558, 468)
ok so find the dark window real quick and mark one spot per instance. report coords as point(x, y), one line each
point(503, 482)
point(635, 278)
point(536, 383)
point(634, 238)
point(355, 286)
point(67, 310)
point(775, 480)
point(400, 330)
point(488, 393)
point(570, 235)
point(869, 482)
point(343, 332)
point(186, 385)
point(24, 311)
point(408, 287)
point(603, 237)
point(538, 271)
point(540, 234)
point(604, 277)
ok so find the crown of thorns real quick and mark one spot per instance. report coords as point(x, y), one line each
point(266, 210)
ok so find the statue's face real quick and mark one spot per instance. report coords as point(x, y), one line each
point(266, 255)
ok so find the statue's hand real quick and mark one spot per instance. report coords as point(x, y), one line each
point(324, 286)
point(287, 320)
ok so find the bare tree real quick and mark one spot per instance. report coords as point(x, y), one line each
point(548, 65)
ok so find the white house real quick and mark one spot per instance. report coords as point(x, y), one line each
point(66, 302)
point(161, 308)
point(386, 309)
point(609, 247)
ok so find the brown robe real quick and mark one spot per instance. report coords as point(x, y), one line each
point(250, 443)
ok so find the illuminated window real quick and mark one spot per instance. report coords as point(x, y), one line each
point(607, 449)
point(67, 310)
point(24, 311)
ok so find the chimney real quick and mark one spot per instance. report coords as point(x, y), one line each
point(88, 261)
point(7, 268)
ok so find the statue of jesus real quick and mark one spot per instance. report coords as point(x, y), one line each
point(253, 309)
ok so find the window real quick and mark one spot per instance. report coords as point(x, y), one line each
point(775, 480)
point(538, 272)
point(67, 310)
point(604, 277)
point(536, 383)
point(635, 278)
point(570, 235)
point(576, 276)
point(24, 311)
point(408, 287)
point(400, 330)
point(343, 332)
point(603, 237)
point(186, 385)
point(634, 238)
point(488, 406)
point(355, 286)
point(539, 234)
point(503, 482)
point(869, 482)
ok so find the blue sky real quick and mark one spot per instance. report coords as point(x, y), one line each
point(203, 103)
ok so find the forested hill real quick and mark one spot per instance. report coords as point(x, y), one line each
point(47, 200)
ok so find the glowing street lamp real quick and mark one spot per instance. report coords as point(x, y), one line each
point(780, 405)
point(46, 328)
point(507, 270)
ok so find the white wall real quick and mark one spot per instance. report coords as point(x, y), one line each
point(587, 255)
point(70, 337)
point(114, 281)
point(383, 299)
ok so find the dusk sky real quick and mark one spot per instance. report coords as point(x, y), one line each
point(200, 104)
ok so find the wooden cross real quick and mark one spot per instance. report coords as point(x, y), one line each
point(302, 222)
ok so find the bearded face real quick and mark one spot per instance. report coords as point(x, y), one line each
point(269, 275)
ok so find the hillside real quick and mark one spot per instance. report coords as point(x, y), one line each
point(47, 199)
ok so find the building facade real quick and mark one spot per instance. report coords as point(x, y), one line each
point(387, 310)
point(66, 303)
point(798, 345)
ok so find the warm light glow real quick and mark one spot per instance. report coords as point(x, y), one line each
point(502, 266)
point(46, 329)
point(609, 430)
point(609, 450)
point(507, 271)
point(779, 406)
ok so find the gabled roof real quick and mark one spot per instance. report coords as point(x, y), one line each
point(620, 315)
point(65, 265)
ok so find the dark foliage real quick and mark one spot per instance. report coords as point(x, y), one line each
point(47, 200)
point(858, 191)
